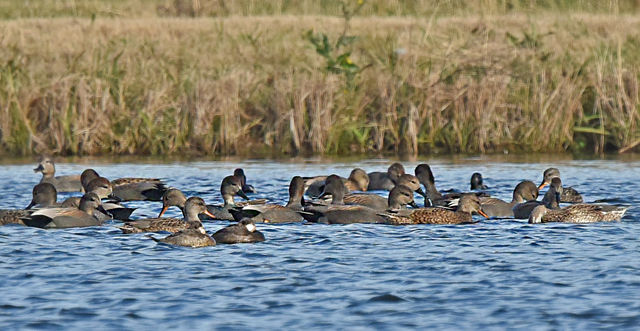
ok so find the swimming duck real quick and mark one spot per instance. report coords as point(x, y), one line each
point(434, 197)
point(379, 202)
point(524, 191)
point(246, 188)
point(271, 213)
point(172, 197)
point(578, 213)
point(195, 235)
point(129, 189)
point(358, 180)
point(103, 188)
point(338, 213)
point(551, 199)
point(385, 181)
point(569, 194)
point(190, 213)
point(231, 185)
point(469, 203)
point(61, 183)
point(68, 217)
point(241, 232)
point(476, 182)
point(43, 195)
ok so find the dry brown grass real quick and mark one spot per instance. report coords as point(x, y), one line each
point(247, 85)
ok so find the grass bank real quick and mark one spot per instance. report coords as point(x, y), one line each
point(245, 85)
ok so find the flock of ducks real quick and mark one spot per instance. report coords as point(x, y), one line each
point(331, 200)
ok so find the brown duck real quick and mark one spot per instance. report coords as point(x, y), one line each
point(468, 204)
point(190, 213)
point(569, 194)
point(195, 235)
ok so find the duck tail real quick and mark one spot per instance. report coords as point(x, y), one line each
point(154, 238)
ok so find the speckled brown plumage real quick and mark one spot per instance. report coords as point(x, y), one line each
point(578, 213)
point(468, 203)
point(154, 225)
point(13, 216)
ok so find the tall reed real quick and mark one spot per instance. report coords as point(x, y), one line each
point(255, 85)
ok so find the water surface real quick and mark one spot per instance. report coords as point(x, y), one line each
point(495, 274)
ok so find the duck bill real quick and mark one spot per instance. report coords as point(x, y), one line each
point(558, 197)
point(208, 213)
point(39, 168)
point(244, 196)
point(104, 211)
point(33, 203)
point(421, 192)
point(164, 209)
point(542, 185)
point(413, 204)
point(482, 213)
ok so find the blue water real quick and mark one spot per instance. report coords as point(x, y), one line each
point(493, 275)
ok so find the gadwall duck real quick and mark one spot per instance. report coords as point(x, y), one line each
point(190, 212)
point(43, 195)
point(476, 182)
point(469, 203)
point(62, 183)
point(569, 194)
point(82, 216)
point(434, 197)
point(551, 199)
point(231, 186)
point(379, 202)
point(385, 181)
point(103, 188)
point(243, 232)
point(246, 188)
point(358, 180)
point(578, 213)
point(195, 235)
point(129, 189)
point(271, 213)
point(524, 191)
point(338, 213)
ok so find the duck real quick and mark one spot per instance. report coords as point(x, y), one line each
point(569, 194)
point(82, 216)
point(246, 188)
point(469, 203)
point(578, 213)
point(190, 213)
point(242, 232)
point(379, 202)
point(434, 197)
point(104, 189)
point(195, 235)
point(272, 213)
point(385, 181)
point(43, 195)
point(129, 189)
point(339, 213)
point(476, 182)
point(172, 197)
point(358, 180)
point(231, 186)
point(47, 167)
point(524, 191)
point(551, 200)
